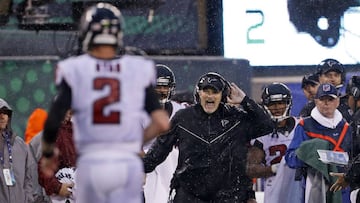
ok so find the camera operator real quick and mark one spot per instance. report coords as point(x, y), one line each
point(352, 175)
point(353, 91)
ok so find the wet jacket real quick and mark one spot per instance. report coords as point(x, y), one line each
point(355, 124)
point(36, 151)
point(22, 165)
point(22, 191)
point(345, 109)
point(66, 159)
point(309, 125)
point(212, 149)
point(352, 175)
point(306, 110)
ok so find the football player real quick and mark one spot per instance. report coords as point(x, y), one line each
point(108, 95)
point(265, 158)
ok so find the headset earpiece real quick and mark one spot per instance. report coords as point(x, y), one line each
point(227, 90)
point(196, 94)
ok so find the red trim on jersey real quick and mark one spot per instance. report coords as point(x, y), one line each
point(301, 122)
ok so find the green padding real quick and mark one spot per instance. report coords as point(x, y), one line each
point(26, 85)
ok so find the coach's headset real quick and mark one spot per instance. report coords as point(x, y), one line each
point(354, 87)
point(213, 75)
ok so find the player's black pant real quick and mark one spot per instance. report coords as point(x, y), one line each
point(184, 197)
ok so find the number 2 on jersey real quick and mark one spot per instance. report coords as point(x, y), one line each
point(273, 151)
point(99, 105)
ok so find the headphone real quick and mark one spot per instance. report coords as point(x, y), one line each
point(354, 87)
point(225, 91)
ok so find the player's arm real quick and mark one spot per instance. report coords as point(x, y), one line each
point(159, 117)
point(161, 148)
point(58, 109)
point(255, 164)
point(290, 156)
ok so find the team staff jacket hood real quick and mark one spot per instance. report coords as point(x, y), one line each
point(22, 165)
point(212, 148)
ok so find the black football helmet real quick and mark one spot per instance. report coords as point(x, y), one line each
point(101, 24)
point(165, 77)
point(277, 92)
point(331, 65)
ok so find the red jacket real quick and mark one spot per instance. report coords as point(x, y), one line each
point(67, 158)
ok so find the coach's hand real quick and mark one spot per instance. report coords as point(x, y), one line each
point(236, 95)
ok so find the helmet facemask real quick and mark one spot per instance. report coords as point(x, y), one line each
point(165, 83)
point(285, 114)
point(164, 89)
point(277, 92)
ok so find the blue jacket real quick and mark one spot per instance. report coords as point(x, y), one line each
point(312, 127)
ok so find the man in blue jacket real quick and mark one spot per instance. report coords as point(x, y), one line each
point(324, 129)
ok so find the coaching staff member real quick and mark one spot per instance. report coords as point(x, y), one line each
point(212, 139)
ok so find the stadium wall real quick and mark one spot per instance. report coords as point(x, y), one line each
point(28, 82)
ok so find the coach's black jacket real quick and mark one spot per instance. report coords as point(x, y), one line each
point(212, 149)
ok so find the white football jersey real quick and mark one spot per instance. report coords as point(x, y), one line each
point(281, 187)
point(108, 99)
point(275, 147)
